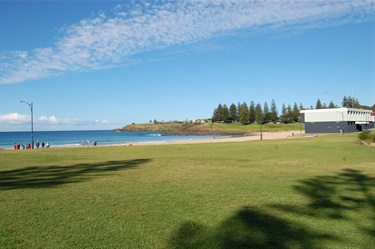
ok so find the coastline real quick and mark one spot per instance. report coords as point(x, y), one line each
point(223, 138)
point(226, 139)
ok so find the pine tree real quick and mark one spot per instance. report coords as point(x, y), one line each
point(225, 114)
point(252, 112)
point(318, 104)
point(258, 114)
point(331, 105)
point(295, 113)
point(244, 114)
point(233, 113)
point(283, 117)
point(266, 113)
point(274, 114)
point(289, 114)
point(347, 102)
point(238, 110)
point(350, 102)
point(216, 117)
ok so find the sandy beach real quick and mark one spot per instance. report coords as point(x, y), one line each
point(200, 140)
point(227, 139)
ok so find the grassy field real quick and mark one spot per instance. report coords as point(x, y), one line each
point(316, 192)
point(214, 127)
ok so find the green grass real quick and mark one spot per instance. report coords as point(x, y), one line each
point(304, 193)
point(215, 127)
point(252, 127)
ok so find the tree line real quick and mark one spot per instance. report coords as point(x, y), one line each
point(248, 114)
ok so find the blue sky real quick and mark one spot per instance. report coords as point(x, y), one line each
point(106, 64)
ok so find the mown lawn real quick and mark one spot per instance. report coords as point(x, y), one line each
point(304, 193)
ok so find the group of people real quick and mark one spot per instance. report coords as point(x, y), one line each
point(87, 143)
point(28, 146)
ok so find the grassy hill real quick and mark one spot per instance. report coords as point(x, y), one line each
point(212, 128)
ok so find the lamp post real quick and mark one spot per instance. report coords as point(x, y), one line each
point(32, 122)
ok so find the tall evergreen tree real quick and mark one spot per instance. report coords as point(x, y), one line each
point(345, 102)
point(216, 117)
point(238, 110)
point(295, 113)
point(258, 114)
point(318, 104)
point(283, 117)
point(266, 113)
point(233, 113)
point(225, 114)
point(331, 105)
point(350, 102)
point(289, 114)
point(252, 112)
point(244, 114)
point(274, 113)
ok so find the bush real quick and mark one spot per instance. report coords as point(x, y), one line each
point(367, 136)
point(364, 135)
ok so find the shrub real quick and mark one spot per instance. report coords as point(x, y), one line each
point(367, 136)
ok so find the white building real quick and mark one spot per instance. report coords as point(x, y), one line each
point(335, 120)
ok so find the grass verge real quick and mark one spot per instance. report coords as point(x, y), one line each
point(304, 193)
point(214, 127)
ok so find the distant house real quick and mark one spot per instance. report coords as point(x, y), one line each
point(335, 120)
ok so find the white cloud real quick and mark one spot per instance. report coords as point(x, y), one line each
point(101, 121)
point(110, 39)
point(52, 119)
point(14, 118)
point(17, 122)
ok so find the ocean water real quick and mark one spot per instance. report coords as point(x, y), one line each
point(77, 138)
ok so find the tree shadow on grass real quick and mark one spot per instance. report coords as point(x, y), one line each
point(248, 228)
point(52, 176)
point(337, 197)
point(330, 197)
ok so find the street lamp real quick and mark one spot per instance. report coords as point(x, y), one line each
point(32, 122)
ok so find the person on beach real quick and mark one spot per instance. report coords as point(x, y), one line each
point(28, 146)
point(37, 144)
point(43, 145)
point(47, 145)
point(15, 146)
